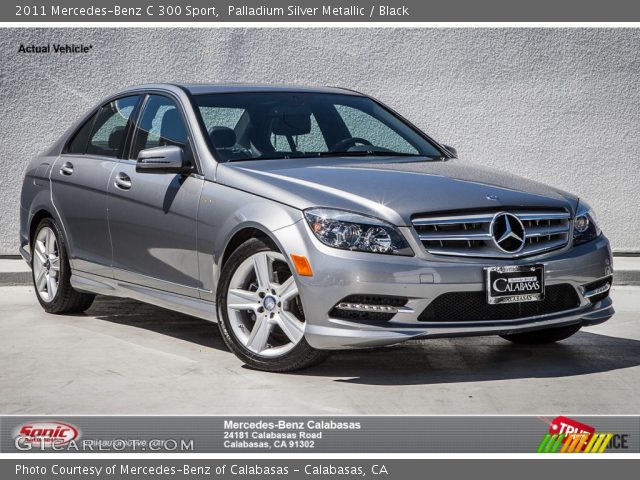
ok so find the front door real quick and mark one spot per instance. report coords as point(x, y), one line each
point(153, 216)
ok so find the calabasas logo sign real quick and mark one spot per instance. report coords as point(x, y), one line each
point(44, 434)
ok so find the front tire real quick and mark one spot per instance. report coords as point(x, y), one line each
point(51, 272)
point(540, 337)
point(260, 313)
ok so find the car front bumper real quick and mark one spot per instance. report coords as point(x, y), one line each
point(421, 279)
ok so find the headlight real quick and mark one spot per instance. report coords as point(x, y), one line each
point(351, 231)
point(585, 225)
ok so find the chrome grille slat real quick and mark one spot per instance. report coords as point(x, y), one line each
point(543, 216)
point(448, 236)
point(546, 231)
point(451, 220)
point(470, 235)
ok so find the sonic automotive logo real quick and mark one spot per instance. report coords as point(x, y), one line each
point(45, 434)
point(570, 436)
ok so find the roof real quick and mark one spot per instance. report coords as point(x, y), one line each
point(203, 88)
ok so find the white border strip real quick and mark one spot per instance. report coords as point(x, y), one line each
point(312, 456)
point(276, 24)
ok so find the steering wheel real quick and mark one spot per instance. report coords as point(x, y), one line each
point(347, 143)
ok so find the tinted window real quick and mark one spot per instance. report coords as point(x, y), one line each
point(81, 138)
point(108, 132)
point(270, 125)
point(160, 124)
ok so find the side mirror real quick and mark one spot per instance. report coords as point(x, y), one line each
point(167, 159)
point(451, 150)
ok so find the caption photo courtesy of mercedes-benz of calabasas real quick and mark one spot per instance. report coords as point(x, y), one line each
point(320, 220)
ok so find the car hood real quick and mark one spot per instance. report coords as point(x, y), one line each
point(391, 188)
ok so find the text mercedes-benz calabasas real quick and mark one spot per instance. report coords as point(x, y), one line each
point(304, 220)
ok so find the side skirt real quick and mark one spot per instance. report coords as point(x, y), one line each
point(86, 282)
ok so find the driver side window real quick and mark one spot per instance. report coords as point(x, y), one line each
point(160, 124)
point(361, 124)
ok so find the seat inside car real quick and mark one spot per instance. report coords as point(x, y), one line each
point(116, 138)
point(224, 139)
point(172, 129)
point(290, 122)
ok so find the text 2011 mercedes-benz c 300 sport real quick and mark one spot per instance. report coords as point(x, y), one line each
point(305, 220)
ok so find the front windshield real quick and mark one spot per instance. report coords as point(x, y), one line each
point(268, 125)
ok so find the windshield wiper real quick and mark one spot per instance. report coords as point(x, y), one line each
point(367, 153)
point(354, 153)
point(279, 157)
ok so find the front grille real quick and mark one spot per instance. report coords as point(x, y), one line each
point(473, 306)
point(470, 234)
point(359, 316)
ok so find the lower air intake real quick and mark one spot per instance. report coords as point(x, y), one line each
point(473, 306)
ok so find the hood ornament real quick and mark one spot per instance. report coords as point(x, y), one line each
point(492, 196)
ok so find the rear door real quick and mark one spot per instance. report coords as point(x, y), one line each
point(153, 216)
point(79, 180)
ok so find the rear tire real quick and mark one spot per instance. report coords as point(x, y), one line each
point(51, 272)
point(540, 337)
point(265, 333)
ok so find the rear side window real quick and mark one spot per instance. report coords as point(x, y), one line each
point(81, 138)
point(160, 124)
point(108, 133)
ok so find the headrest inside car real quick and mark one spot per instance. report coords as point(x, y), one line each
point(222, 137)
point(291, 120)
point(172, 128)
point(115, 138)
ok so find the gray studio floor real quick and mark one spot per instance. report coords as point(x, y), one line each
point(124, 357)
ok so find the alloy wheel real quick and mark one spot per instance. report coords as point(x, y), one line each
point(46, 264)
point(264, 306)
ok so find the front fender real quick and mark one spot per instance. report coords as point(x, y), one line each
point(222, 213)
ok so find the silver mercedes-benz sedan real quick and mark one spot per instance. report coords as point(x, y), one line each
point(303, 220)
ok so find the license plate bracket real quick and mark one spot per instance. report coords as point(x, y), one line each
point(515, 283)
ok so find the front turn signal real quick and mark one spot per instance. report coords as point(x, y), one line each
point(302, 265)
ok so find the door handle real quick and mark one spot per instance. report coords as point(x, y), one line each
point(123, 182)
point(67, 168)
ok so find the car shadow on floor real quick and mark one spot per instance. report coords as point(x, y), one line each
point(159, 320)
point(478, 359)
point(436, 361)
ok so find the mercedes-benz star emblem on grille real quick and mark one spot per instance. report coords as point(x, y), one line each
point(508, 232)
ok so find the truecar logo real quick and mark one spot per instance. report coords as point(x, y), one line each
point(570, 436)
